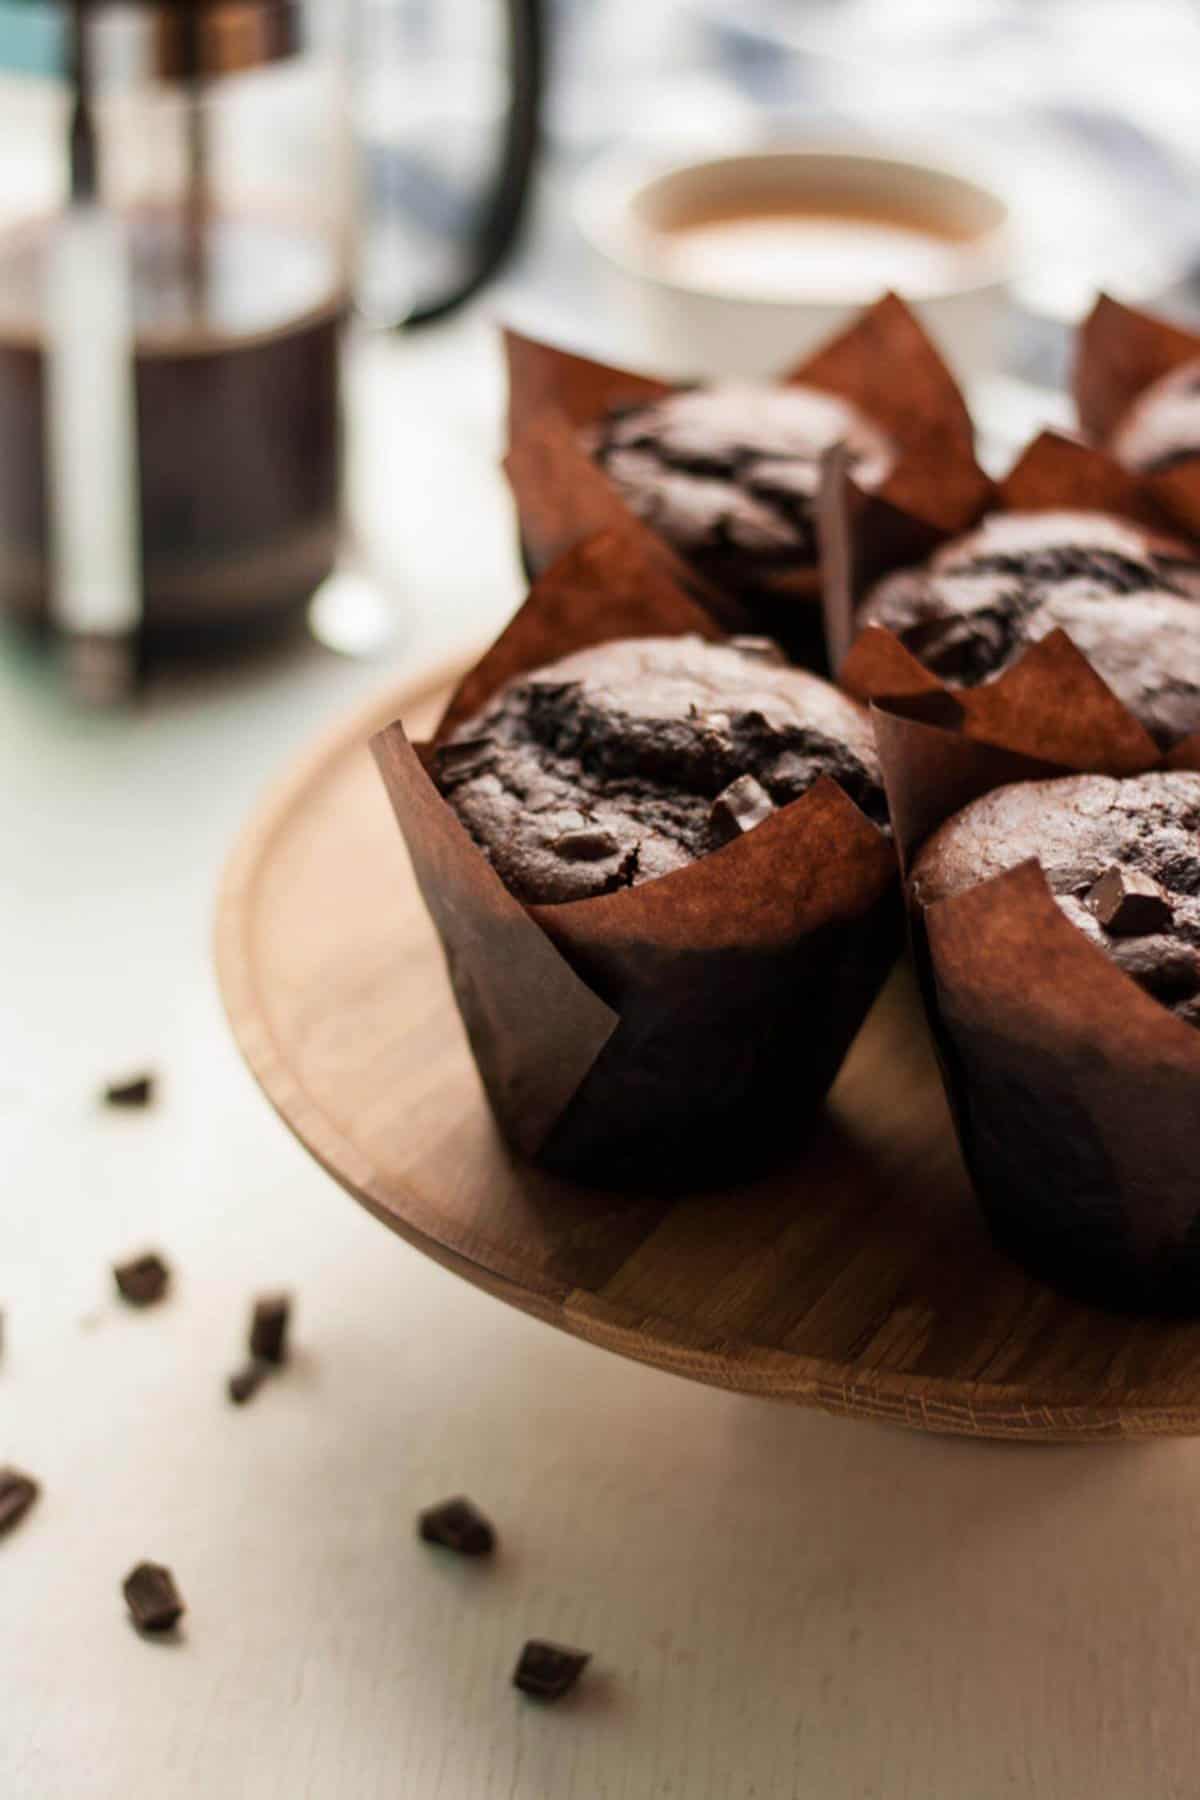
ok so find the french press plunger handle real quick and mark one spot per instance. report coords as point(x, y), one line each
point(505, 203)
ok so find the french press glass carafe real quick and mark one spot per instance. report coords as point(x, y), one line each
point(180, 187)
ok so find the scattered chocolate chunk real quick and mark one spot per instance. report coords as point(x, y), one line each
point(548, 1671)
point(245, 1383)
point(1129, 903)
point(590, 844)
point(152, 1597)
point(457, 1525)
point(143, 1280)
point(138, 1090)
point(269, 1328)
point(17, 1494)
point(744, 804)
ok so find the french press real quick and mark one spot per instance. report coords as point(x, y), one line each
point(181, 208)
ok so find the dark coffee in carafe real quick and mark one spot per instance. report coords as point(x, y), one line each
point(239, 445)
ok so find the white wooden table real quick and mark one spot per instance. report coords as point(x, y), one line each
point(780, 1605)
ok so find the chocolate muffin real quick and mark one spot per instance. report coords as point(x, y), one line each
point(1162, 427)
point(728, 474)
point(1122, 859)
point(621, 763)
point(1125, 596)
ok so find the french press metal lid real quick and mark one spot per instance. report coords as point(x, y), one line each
point(95, 42)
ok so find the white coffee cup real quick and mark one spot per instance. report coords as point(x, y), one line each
point(740, 264)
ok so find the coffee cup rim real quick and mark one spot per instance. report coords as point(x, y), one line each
point(613, 190)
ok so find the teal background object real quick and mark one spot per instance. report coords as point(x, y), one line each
point(32, 37)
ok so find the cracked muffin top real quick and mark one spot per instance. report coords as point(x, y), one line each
point(624, 762)
point(1122, 858)
point(728, 473)
point(1126, 597)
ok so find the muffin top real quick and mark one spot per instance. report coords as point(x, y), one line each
point(624, 762)
point(1126, 597)
point(1121, 857)
point(732, 469)
point(1162, 427)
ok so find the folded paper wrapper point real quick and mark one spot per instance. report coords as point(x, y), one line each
point(653, 1036)
point(1075, 1094)
point(563, 496)
point(1119, 353)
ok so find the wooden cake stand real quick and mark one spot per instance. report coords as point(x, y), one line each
point(860, 1279)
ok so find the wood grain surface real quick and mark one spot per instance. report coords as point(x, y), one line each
point(859, 1279)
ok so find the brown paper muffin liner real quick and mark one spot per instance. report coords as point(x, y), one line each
point(1075, 1094)
point(883, 364)
point(1119, 353)
point(673, 1032)
point(1050, 705)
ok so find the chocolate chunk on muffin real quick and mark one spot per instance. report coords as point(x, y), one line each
point(624, 762)
point(1127, 598)
point(727, 474)
point(1161, 430)
point(1122, 858)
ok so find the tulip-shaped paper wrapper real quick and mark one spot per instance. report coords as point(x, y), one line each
point(674, 1031)
point(1076, 1095)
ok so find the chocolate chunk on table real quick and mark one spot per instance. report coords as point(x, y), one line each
point(152, 1598)
point(243, 1384)
point(548, 1671)
point(457, 1525)
point(17, 1494)
point(1129, 903)
point(137, 1090)
point(269, 1328)
point(143, 1280)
